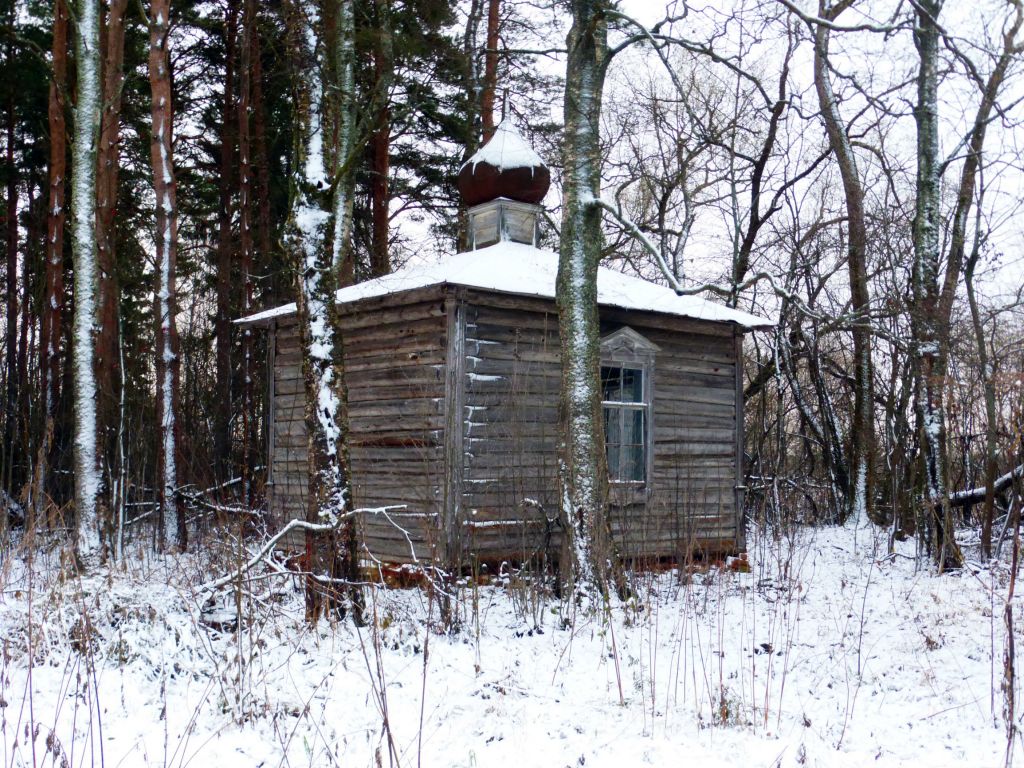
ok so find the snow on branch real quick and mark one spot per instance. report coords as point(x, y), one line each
point(829, 21)
point(293, 525)
point(977, 495)
point(674, 283)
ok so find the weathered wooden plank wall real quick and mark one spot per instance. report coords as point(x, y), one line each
point(690, 503)
point(511, 403)
point(511, 392)
point(501, 400)
point(394, 371)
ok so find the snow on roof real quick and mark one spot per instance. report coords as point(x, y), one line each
point(506, 149)
point(527, 271)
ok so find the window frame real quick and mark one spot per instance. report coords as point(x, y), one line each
point(627, 349)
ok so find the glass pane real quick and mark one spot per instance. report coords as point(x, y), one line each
point(612, 426)
point(611, 383)
point(633, 426)
point(632, 385)
point(519, 226)
point(485, 228)
point(632, 465)
point(613, 452)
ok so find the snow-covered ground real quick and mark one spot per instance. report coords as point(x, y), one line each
point(825, 654)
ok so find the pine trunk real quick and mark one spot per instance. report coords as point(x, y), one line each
point(108, 355)
point(245, 241)
point(11, 452)
point(53, 289)
point(261, 161)
point(584, 474)
point(222, 323)
point(471, 87)
point(83, 242)
point(166, 242)
point(490, 84)
point(380, 142)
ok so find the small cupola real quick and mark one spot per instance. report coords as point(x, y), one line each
point(503, 185)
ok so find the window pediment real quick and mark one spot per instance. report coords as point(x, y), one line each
point(627, 344)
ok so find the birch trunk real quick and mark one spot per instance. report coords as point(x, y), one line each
point(308, 244)
point(342, 256)
point(583, 465)
point(166, 241)
point(860, 491)
point(925, 315)
point(83, 242)
point(343, 89)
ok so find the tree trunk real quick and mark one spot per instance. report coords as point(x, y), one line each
point(583, 464)
point(988, 385)
point(53, 291)
point(925, 315)
point(52, 305)
point(166, 242)
point(261, 160)
point(471, 87)
point(222, 323)
point(958, 238)
point(860, 495)
point(108, 356)
point(490, 84)
point(83, 242)
point(11, 452)
point(345, 141)
point(245, 241)
point(342, 256)
point(307, 243)
point(380, 142)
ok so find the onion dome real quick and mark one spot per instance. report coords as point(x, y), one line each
point(506, 166)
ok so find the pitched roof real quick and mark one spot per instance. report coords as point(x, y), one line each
point(527, 271)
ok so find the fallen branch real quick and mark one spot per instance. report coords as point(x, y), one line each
point(294, 525)
point(977, 495)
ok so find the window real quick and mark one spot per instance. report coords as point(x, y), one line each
point(520, 225)
point(625, 422)
point(485, 227)
point(627, 375)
